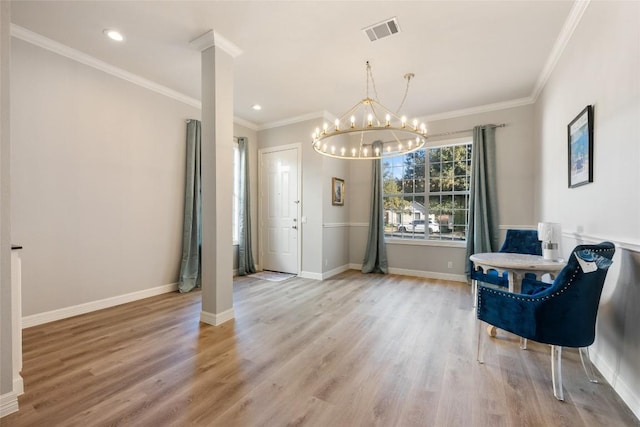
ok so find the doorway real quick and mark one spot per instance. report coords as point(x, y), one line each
point(279, 208)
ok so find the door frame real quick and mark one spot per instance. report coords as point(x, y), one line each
point(269, 150)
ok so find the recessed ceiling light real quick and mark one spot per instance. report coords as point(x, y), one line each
point(114, 35)
point(256, 107)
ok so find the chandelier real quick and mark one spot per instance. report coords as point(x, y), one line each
point(369, 130)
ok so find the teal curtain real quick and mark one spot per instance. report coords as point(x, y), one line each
point(483, 204)
point(190, 271)
point(245, 255)
point(375, 259)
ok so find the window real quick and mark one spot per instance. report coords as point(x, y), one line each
point(236, 193)
point(426, 193)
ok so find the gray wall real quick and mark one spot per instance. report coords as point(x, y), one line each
point(515, 159)
point(97, 185)
point(6, 367)
point(600, 66)
point(335, 222)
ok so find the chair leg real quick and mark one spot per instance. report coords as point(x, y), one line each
point(588, 366)
point(479, 338)
point(523, 343)
point(474, 291)
point(556, 371)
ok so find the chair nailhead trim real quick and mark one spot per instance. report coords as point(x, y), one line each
point(530, 299)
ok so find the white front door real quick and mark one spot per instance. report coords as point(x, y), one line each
point(279, 207)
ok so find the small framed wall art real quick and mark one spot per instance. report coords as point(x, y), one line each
point(337, 191)
point(580, 133)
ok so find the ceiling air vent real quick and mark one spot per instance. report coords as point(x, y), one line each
point(382, 29)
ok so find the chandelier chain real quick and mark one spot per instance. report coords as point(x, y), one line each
point(373, 82)
point(407, 76)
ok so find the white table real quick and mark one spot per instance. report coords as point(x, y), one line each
point(516, 266)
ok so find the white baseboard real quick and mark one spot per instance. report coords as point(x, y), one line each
point(8, 403)
point(63, 313)
point(310, 275)
point(429, 274)
point(625, 392)
point(18, 385)
point(216, 319)
point(420, 273)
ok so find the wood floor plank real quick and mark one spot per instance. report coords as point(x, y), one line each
point(353, 350)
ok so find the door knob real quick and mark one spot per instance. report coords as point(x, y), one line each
point(295, 227)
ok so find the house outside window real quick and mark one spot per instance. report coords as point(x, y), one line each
point(426, 193)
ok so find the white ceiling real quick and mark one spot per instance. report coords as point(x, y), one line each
point(303, 57)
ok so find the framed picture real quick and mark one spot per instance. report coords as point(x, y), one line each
point(580, 132)
point(337, 192)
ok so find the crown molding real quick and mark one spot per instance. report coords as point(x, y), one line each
point(480, 109)
point(212, 38)
point(245, 123)
point(303, 118)
point(575, 15)
point(66, 51)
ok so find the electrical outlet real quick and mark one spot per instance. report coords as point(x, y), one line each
point(450, 264)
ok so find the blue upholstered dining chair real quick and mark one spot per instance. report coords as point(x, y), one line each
point(562, 315)
point(516, 241)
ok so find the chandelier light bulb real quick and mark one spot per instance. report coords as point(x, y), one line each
point(353, 122)
point(410, 143)
point(342, 151)
point(388, 120)
point(353, 152)
point(365, 152)
point(404, 122)
point(370, 120)
point(337, 123)
point(333, 149)
point(377, 151)
point(324, 128)
point(415, 124)
point(324, 147)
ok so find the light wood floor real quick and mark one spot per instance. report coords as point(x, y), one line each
point(355, 350)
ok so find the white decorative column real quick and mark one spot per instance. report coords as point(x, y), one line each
point(217, 176)
point(16, 318)
point(8, 398)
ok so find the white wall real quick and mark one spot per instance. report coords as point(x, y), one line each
point(515, 154)
point(97, 185)
point(600, 66)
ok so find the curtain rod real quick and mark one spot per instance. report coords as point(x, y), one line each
point(501, 125)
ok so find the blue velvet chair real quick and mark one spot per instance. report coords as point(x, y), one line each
point(516, 241)
point(562, 315)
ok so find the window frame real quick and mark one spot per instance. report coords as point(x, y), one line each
point(235, 204)
point(426, 240)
